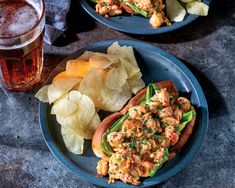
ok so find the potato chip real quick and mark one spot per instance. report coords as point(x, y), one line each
point(95, 122)
point(61, 75)
point(64, 108)
point(175, 11)
point(70, 122)
point(84, 119)
point(114, 49)
point(136, 85)
point(73, 141)
point(86, 55)
point(113, 100)
point(138, 75)
point(130, 68)
point(42, 94)
point(198, 8)
point(75, 96)
point(86, 110)
point(91, 85)
point(88, 130)
point(125, 52)
point(116, 78)
point(78, 68)
point(103, 61)
point(129, 54)
point(60, 87)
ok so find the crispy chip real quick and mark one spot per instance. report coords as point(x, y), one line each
point(175, 11)
point(136, 85)
point(125, 52)
point(129, 54)
point(75, 96)
point(116, 78)
point(92, 126)
point(70, 122)
point(198, 8)
point(91, 85)
point(64, 108)
point(86, 55)
point(86, 110)
point(61, 75)
point(137, 76)
point(103, 61)
point(130, 68)
point(42, 94)
point(88, 130)
point(73, 141)
point(78, 68)
point(113, 100)
point(60, 87)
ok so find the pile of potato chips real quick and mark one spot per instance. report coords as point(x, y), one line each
point(176, 9)
point(94, 81)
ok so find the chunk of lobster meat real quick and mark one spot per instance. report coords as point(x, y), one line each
point(177, 114)
point(136, 112)
point(165, 112)
point(144, 168)
point(114, 139)
point(131, 126)
point(170, 134)
point(170, 121)
point(162, 96)
point(156, 20)
point(102, 167)
point(174, 138)
point(184, 103)
point(165, 143)
point(157, 155)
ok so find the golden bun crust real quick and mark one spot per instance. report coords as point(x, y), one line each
point(102, 128)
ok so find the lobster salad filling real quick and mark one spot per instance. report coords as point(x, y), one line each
point(153, 9)
point(139, 142)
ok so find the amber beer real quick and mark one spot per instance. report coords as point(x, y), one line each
point(21, 42)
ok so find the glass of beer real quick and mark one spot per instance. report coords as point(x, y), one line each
point(22, 25)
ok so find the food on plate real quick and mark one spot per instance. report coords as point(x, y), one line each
point(146, 133)
point(94, 81)
point(78, 118)
point(73, 141)
point(198, 8)
point(175, 11)
point(159, 12)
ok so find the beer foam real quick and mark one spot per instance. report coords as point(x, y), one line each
point(17, 19)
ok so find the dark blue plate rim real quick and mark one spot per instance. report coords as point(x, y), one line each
point(170, 173)
point(147, 31)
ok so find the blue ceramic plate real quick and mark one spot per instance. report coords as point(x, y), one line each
point(135, 24)
point(155, 65)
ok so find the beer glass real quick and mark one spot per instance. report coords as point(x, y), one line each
point(22, 25)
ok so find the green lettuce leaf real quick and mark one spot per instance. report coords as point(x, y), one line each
point(187, 117)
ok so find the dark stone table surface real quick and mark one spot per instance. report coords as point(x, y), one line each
point(207, 47)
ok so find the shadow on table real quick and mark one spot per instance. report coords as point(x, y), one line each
point(77, 21)
point(216, 103)
point(220, 14)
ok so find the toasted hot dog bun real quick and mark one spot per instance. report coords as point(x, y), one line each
point(102, 128)
point(184, 136)
point(128, 9)
point(109, 120)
